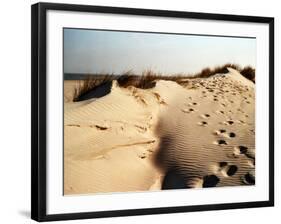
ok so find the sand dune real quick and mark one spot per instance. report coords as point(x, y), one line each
point(211, 139)
point(171, 136)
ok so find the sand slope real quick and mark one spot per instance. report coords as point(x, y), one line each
point(211, 140)
point(200, 134)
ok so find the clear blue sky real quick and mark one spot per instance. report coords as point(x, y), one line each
point(93, 51)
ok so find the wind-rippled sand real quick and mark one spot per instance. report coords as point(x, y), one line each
point(200, 134)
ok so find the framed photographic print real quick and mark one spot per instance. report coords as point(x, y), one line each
point(140, 111)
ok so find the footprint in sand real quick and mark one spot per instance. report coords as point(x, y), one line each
point(202, 123)
point(205, 116)
point(220, 112)
point(229, 122)
point(220, 142)
point(227, 170)
point(189, 110)
point(192, 104)
point(243, 150)
point(222, 132)
point(210, 181)
point(219, 132)
point(231, 170)
point(249, 178)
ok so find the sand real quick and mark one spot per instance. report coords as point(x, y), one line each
point(171, 136)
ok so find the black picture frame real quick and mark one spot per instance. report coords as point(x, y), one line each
point(38, 108)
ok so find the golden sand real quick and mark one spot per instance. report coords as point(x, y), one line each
point(140, 139)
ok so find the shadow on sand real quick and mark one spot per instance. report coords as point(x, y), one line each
point(98, 92)
point(165, 159)
point(173, 180)
point(169, 159)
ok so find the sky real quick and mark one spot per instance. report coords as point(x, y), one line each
point(97, 51)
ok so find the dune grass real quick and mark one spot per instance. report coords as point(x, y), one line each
point(148, 78)
point(207, 72)
point(249, 73)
